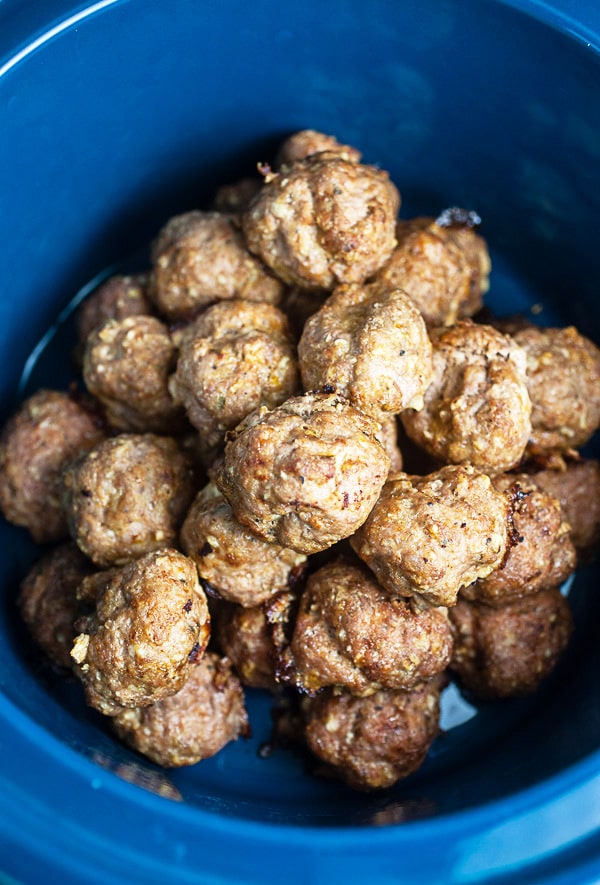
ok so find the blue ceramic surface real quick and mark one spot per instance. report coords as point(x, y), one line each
point(115, 116)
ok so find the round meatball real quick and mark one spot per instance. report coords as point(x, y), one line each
point(388, 437)
point(540, 552)
point(370, 343)
point(308, 142)
point(200, 258)
point(429, 536)
point(46, 433)
point(477, 409)
point(49, 602)
point(563, 379)
point(150, 625)
point(206, 714)
point(240, 566)
point(306, 474)
point(126, 365)
point(244, 635)
point(235, 357)
point(127, 497)
point(504, 651)
point(577, 487)
point(373, 742)
point(235, 198)
point(349, 633)
point(324, 221)
point(443, 269)
point(116, 298)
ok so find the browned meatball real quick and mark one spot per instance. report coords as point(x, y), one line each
point(126, 365)
point(429, 536)
point(504, 651)
point(373, 742)
point(244, 635)
point(350, 633)
point(206, 714)
point(235, 357)
point(306, 474)
point(235, 198)
point(116, 298)
point(324, 221)
point(151, 623)
point(477, 409)
point(200, 258)
point(127, 497)
point(443, 269)
point(49, 602)
point(540, 552)
point(308, 142)
point(563, 379)
point(49, 430)
point(577, 487)
point(241, 567)
point(370, 343)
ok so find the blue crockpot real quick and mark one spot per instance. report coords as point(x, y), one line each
point(116, 115)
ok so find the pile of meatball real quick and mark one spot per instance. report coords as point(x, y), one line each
point(305, 458)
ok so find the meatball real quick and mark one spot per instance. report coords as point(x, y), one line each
point(443, 269)
point(324, 221)
point(150, 624)
point(127, 497)
point(46, 433)
point(370, 343)
point(306, 474)
point(563, 379)
point(429, 536)
point(240, 566)
point(477, 409)
point(235, 357)
point(350, 633)
point(373, 742)
point(206, 714)
point(244, 635)
point(504, 651)
point(116, 298)
point(200, 258)
point(577, 487)
point(49, 602)
point(126, 365)
point(235, 198)
point(388, 437)
point(308, 142)
point(540, 552)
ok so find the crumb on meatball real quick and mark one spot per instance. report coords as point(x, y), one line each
point(49, 601)
point(126, 366)
point(508, 650)
point(305, 474)
point(127, 497)
point(49, 430)
point(350, 633)
point(324, 221)
point(195, 723)
point(200, 258)
point(429, 536)
point(149, 626)
point(477, 408)
point(370, 343)
point(373, 742)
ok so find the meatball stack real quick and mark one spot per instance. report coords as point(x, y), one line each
point(234, 498)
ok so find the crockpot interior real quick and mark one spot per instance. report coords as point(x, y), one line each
point(137, 111)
